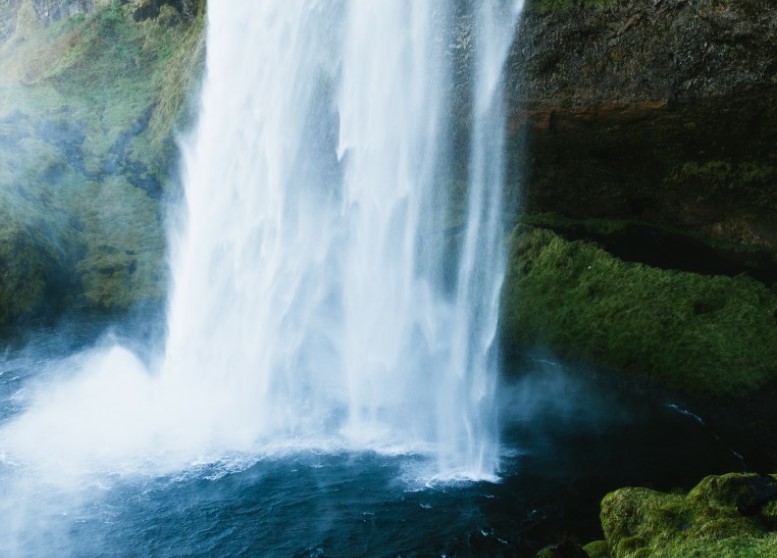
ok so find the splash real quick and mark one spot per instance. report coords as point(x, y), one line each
point(319, 297)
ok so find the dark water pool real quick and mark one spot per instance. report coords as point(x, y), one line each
point(567, 441)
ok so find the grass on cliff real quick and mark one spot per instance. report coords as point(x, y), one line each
point(88, 109)
point(700, 334)
point(729, 516)
point(105, 71)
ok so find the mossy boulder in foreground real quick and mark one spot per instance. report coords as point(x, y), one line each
point(725, 516)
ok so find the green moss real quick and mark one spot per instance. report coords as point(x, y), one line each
point(123, 261)
point(700, 334)
point(598, 228)
point(706, 522)
point(34, 274)
point(726, 174)
point(88, 111)
point(566, 549)
point(22, 275)
point(769, 513)
point(105, 72)
point(597, 549)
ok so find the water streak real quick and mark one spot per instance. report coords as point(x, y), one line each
point(319, 297)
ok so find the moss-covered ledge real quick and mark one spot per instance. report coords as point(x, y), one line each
point(697, 334)
point(664, 246)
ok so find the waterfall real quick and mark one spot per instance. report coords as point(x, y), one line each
point(337, 266)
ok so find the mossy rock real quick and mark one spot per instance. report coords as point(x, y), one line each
point(708, 521)
point(746, 493)
point(664, 246)
point(702, 335)
point(91, 105)
point(567, 549)
point(122, 264)
point(769, 513)
point(597, 549)
point(34, 280)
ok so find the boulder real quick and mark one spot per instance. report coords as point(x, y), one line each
point(708, 521)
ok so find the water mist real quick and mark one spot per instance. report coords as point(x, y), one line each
point(318, 299)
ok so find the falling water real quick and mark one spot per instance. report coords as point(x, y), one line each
point(319, 297)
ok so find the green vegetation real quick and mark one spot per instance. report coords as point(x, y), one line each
point(724, 516)
point(121, 83)
point(597, 549)
point(700, 334)
point(33, 270)
point(602, 227)
point(89, 110)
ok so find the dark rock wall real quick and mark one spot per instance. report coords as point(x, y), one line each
point(650, 128)
point(663, 112)
point(643, 50)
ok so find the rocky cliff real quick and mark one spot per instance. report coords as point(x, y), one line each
point(42, 12)
point(644, 135)
point(91, 103)
point(662, 112)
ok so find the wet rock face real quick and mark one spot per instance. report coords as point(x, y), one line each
point(663, 112)
point(55, 10)
point(150, 9)
point(34, 277)
point(8, 10)
point(649, 127)
point(86, 158)
point(642, 50)
point(45, 11)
